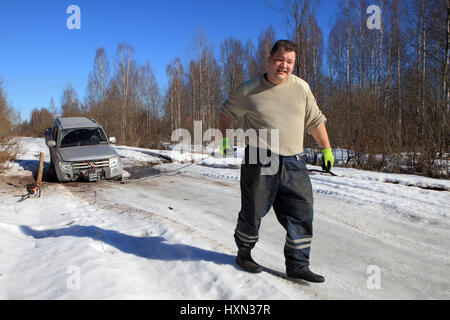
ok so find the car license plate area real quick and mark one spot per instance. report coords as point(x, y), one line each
point(92, 175)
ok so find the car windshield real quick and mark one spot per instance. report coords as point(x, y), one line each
point(82, 137)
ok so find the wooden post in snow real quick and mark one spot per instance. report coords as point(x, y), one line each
point(41, 169)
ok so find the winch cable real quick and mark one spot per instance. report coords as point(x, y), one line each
point(162, 174)
point(176, 171)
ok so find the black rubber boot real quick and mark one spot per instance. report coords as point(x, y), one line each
point(247, 263)
point(305, 274)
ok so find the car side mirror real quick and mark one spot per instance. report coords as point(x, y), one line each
point(51, 143)
point(112, 139)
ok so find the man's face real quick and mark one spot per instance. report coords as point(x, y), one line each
point(280, 66)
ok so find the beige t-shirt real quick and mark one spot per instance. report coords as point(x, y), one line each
point(289, 107)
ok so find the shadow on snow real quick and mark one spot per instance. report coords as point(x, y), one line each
point(146, 247)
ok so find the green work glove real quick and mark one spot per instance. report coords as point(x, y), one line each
point(327, 159)
point(225, 147)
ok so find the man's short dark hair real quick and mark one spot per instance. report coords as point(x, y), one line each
point(287, 45)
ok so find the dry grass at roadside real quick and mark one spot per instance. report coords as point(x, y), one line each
point(8, 152)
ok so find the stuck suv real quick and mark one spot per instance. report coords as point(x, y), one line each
point(80, 150)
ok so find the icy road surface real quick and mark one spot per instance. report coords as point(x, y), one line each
point(167, 233)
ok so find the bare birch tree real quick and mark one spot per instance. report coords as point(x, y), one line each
point(97, 85)
point(233, 63)
point(70, 103)
point(150, 97)
point(124, 76)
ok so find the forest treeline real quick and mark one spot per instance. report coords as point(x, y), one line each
point(385, 92)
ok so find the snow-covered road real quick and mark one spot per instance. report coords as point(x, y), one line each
point(169, 235)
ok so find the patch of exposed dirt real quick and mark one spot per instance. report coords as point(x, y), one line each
point(143, 171)
point(19, 181)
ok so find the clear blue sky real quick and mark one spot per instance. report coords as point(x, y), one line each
point(39, 55)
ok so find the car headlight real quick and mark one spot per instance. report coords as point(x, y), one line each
point(113, 162)
point(66, 166)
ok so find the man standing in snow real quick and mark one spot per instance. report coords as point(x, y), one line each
point(282, 101)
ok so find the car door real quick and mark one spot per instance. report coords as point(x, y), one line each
point(52, 150)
